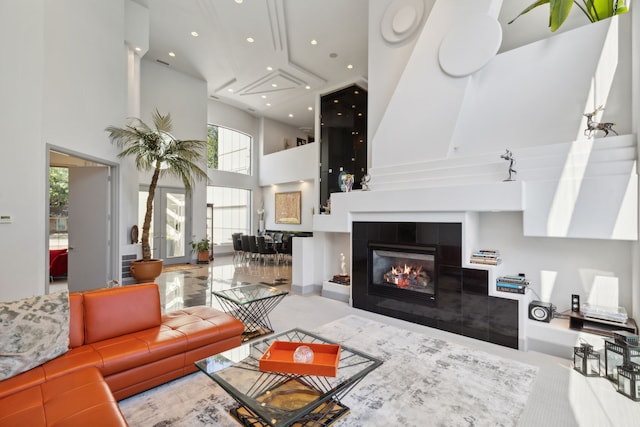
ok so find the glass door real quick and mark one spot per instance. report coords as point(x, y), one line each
point(169, 224)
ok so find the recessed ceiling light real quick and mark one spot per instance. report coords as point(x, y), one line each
point(269, 68)
point(310, 108)
point(350, 66)
point(264, 96)
point(314, 42)
point(250, 39)
point(339, 113)
point(194, 33)
point(335, 101)
point(359, 114)
point(290, 115)
point(268, 104)
point(274, 85)
point(172, 54)
point(356, 92)
point(230, 90)
point(137, 49)
point(307, 87)
point(239, 1)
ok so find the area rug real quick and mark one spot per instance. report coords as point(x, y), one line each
point(423, 381)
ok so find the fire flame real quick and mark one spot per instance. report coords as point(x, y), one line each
point(403, 276)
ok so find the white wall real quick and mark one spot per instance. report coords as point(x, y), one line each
point(275, 134)
point(63, 81)
point(306, 210)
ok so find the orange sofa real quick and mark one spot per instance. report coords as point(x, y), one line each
point(120, 344)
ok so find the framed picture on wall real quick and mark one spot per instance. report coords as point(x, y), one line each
point(288, 207)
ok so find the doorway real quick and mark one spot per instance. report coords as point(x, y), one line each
point(83, 224)
point(169, 225)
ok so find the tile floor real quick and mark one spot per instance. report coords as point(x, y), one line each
point(186, 288)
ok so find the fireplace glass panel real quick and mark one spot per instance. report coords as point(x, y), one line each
point(403, 270)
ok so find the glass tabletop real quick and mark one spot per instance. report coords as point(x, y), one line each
point(246, 294)
point(282, 398)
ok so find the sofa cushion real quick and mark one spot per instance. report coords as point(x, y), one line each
point(200, 324)
point(113, 312)
point(33, 331)
point(81, 398)
point(137, 349)
point(76, 320)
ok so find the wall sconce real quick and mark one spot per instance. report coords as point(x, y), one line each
point(629, 381)
point(586, 360)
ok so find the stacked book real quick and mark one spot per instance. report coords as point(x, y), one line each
point(486, 256)
point(513, 284)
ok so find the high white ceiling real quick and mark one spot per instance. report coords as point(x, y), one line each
point(236, 70)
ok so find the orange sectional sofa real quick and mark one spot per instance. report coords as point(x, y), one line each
point(119, 345)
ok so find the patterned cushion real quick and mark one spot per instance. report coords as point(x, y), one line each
point(32, 331)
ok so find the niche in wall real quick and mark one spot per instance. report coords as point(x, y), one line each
point(343, 138)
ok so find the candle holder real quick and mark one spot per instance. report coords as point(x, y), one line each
point(618, 353)
point(629, 381)
point(586, 360)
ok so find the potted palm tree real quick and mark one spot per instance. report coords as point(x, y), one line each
point(156, 150)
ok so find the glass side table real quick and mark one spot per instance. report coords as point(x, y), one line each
point(251, 304)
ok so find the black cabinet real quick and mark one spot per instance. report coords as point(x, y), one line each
point(343, 138)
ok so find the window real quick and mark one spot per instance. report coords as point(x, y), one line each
point(228, 150)
point(231, 210)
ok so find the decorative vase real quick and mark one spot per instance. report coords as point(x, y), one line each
point(146, 271)
point(348, 183)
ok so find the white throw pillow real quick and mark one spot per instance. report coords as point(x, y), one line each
point(33, 331)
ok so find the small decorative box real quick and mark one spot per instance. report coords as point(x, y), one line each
point(279, 358)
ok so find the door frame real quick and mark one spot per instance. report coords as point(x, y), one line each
point(114, 189)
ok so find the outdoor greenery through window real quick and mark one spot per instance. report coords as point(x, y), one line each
point(231, 208)
point(228, 150)
point(58, 207)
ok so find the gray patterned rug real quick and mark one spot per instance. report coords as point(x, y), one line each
point(423, 382)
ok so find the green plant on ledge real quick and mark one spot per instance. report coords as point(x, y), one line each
point(596, 10)
point(202, 246)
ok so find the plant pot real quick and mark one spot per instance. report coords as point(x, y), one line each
point(203, 257)
point(146, 271)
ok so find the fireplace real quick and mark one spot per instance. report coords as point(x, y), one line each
point(405, 272)
point(414, 271)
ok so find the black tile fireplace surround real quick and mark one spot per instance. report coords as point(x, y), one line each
point(461, 304)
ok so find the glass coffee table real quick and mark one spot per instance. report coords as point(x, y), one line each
point(283, 399)
point(251, 304)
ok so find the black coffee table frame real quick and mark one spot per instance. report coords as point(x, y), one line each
point(281, 399)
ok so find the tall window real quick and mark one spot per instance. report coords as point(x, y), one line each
point(231, 209)
point(229, 150)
